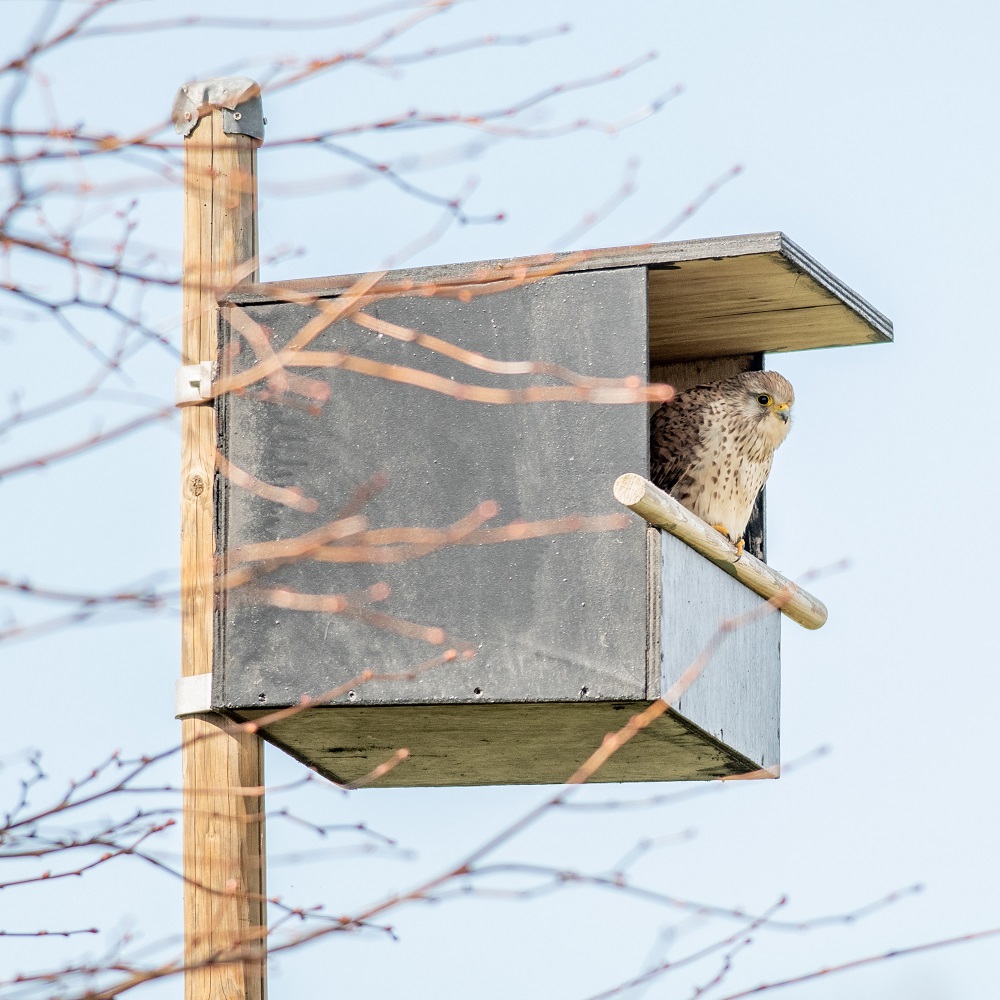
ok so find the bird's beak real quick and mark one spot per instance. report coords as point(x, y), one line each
point(783, 411)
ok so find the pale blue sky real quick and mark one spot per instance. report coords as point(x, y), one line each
point(866, 133)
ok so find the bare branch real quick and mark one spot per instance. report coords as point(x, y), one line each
point(88, 443)
point(869, 960)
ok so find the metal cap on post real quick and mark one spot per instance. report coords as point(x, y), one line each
point(225, 927)
point(237, 97)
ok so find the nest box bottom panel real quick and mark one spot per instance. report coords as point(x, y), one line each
point(497, 744)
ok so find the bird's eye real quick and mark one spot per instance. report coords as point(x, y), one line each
point(764, 399)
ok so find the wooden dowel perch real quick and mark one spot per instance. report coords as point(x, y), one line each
point(663, 511)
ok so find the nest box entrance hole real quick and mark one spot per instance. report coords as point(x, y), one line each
point(685, 374)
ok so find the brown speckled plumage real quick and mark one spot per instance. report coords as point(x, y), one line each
point(711, 446)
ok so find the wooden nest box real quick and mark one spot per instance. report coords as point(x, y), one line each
point(572, 631)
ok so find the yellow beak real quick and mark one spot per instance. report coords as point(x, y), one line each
point(783, 410)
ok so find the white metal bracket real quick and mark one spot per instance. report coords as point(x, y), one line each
point(192, 695)
point(194, 384)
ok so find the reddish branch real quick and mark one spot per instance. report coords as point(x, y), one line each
point(253, 23)
point(288, 496)
point(473, 359)
point(38, 934)
point(299, 547)
point(150, 600)
point(629, 390)
point(88, 443)
point(867, 960)
point(696, 203)
point(24, 833)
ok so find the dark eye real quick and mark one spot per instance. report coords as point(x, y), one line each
point(764, 399)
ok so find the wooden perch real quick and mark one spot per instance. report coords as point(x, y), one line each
point(663, 511)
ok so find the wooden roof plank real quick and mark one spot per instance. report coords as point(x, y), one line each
point(707, 298)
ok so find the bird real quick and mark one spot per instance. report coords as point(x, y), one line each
point(711, 446)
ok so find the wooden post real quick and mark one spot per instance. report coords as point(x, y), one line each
point(224, 908)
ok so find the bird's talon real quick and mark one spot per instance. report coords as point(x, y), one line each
point(739, 543)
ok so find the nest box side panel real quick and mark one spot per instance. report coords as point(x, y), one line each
point(736, 697)
point(560, 617)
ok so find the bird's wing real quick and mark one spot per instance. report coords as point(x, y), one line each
point(675, 432)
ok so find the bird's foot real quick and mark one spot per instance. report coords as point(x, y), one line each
point(739, 543)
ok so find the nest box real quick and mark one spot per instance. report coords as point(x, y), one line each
point(572, 632)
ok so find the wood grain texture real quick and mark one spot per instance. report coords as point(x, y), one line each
point(483, 271)
point(663, 511)
point(530, 743)
point(707, 298)
point(224, 914)
point(764, 302)
point(685, 374)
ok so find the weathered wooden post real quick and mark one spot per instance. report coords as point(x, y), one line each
point(224, 909)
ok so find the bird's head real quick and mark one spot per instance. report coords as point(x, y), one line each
point(766, 398)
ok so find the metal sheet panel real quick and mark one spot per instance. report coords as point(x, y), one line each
point(737, 697)
point(555, 618)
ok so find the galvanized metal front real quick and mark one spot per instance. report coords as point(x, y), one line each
point(558, 618)
point(712, 621)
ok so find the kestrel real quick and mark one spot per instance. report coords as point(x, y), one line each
point(711, 446)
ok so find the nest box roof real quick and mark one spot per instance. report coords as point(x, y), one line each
point(706, 298)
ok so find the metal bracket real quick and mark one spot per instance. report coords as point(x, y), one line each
point(192, 695)
point(193, 383)
point(237, 96)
